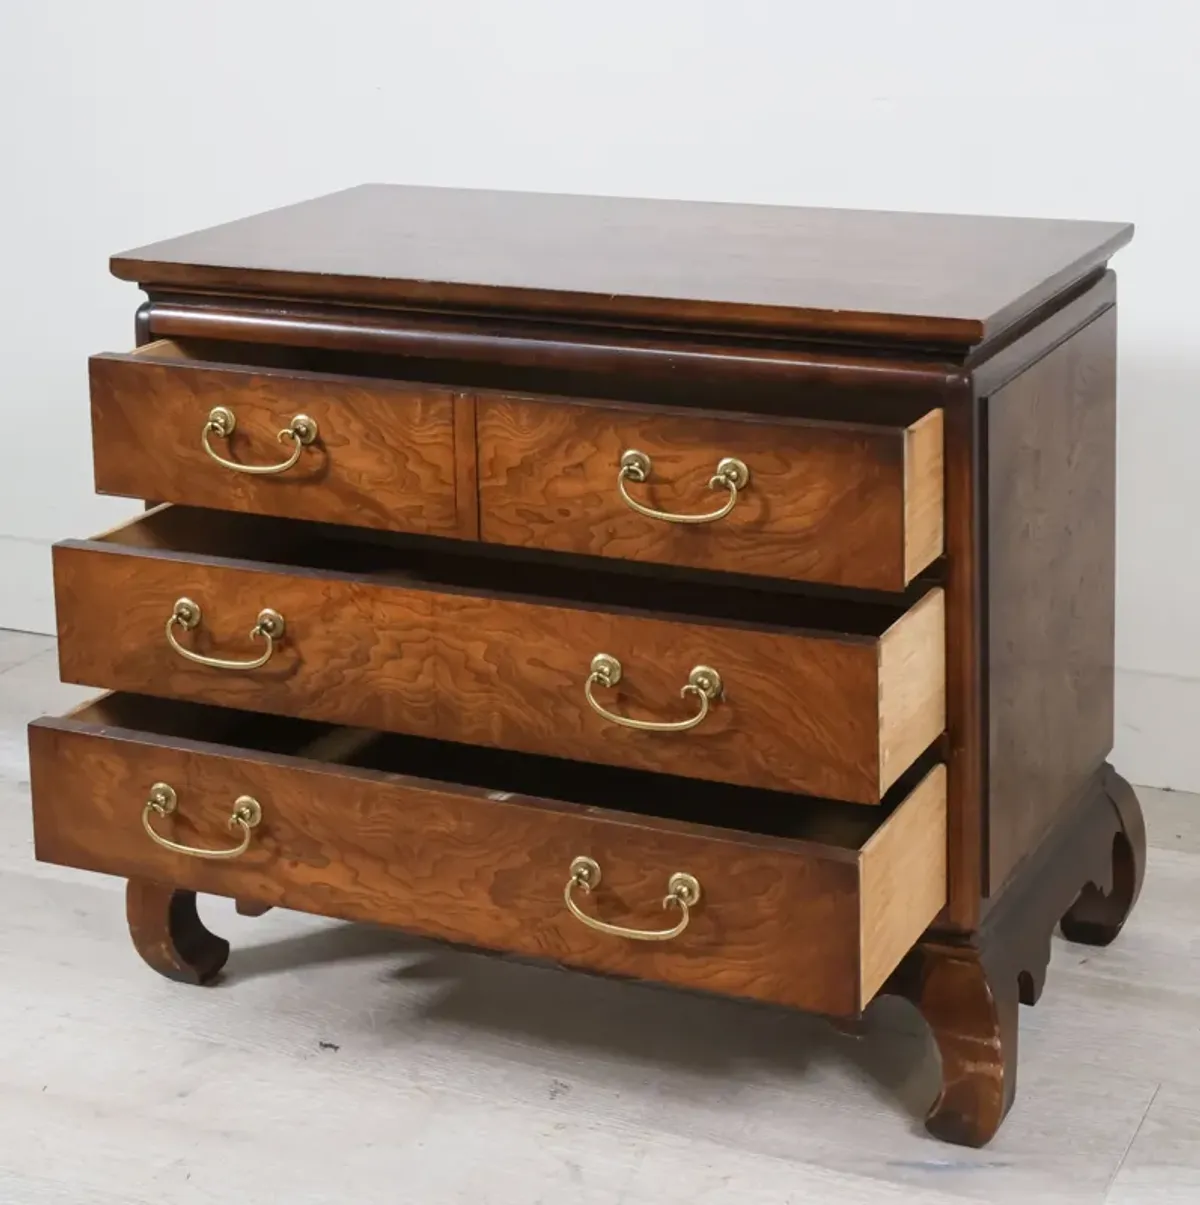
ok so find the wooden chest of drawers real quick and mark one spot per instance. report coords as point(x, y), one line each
point(707, 594)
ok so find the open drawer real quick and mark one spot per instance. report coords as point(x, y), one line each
point(810, 907)
point(826, 697)
point(846, 504)
point(253, 428)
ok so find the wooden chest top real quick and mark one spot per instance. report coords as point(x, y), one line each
point(934, 279)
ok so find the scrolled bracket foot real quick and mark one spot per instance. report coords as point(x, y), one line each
point(1101, 909)
point(168, 934)
point(972, 1014)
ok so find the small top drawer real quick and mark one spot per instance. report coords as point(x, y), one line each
point(195, 423)
point(839, 503)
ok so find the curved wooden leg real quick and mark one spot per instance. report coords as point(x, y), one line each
point(1101, 909)
point(167, 933)
point(973, 1016)
point(1088, 873)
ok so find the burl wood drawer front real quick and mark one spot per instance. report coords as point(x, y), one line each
point(174, 423)
point(815, 915)
point(348, 652)
point(845, 504)
point(833, 714)
point(718, 682)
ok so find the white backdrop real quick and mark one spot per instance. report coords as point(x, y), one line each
point(127, 121)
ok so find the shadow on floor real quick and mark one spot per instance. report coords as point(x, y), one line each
point(664, 1028)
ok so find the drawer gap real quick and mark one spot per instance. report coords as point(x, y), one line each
point(192, 532)
point(704, 387)
point(508, 775)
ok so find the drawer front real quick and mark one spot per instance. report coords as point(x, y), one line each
point(840, 716)
point(847, 505)
point(347, 653)
point(801, 923)
point(385, 454)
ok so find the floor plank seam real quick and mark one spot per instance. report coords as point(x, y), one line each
point(1108, 1188)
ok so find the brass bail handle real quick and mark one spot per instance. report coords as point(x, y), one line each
point(222, 422)
point(704, 683)
point(187, 615)
point(683, 892)
point(246, 816)
point(732, 475)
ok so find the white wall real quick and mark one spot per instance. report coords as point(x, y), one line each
point(127, 121)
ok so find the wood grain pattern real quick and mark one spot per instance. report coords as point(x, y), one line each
point(388, 454)
point(966, 487)
point(903, 881)
point(1051, 571)
point(522, 356)
point(912, 685)
point(353, 652)
point(168, 935)
point(929, 278)
point(973, 1014)
point(799, 712)
point(822, 713)
point(62, 952)
point(924, 493)
point(826, 502)
point(779, 920)
point(1087, 869)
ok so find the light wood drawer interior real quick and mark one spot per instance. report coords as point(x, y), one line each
point(811, 907)
point(825, 697)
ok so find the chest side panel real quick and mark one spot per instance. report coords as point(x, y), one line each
point(1051, 540)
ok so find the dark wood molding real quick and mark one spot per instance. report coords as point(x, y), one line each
point(141, 325)
point(931, 279)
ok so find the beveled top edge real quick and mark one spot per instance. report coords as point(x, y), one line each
point(865, 275)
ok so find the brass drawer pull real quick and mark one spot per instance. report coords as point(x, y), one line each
point(683, 892)
point(731, 475)
point(247, 815)
point(302, 430)
point(186, 614)
point(704, 682)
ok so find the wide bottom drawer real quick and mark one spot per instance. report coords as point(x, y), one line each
point(673, 880)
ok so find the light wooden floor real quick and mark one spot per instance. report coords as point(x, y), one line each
point(348, 1065)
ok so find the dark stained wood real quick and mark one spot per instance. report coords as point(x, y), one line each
point(363, 666)
point(964, 660)
point(353, 653)
point(1051, 437)
point(252, 908)
point(965, 592)
point(1088, 873)
point(141, 325)
point(928, 278)
point(1103, 907)
point(825, 502)
point(687, 324)
point(387, 454)
point(779, 919)
point(799, 712)
point(834, 714)
point(168, 934)
point(973, 1017)
point(676, 368)
point(993, 366)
